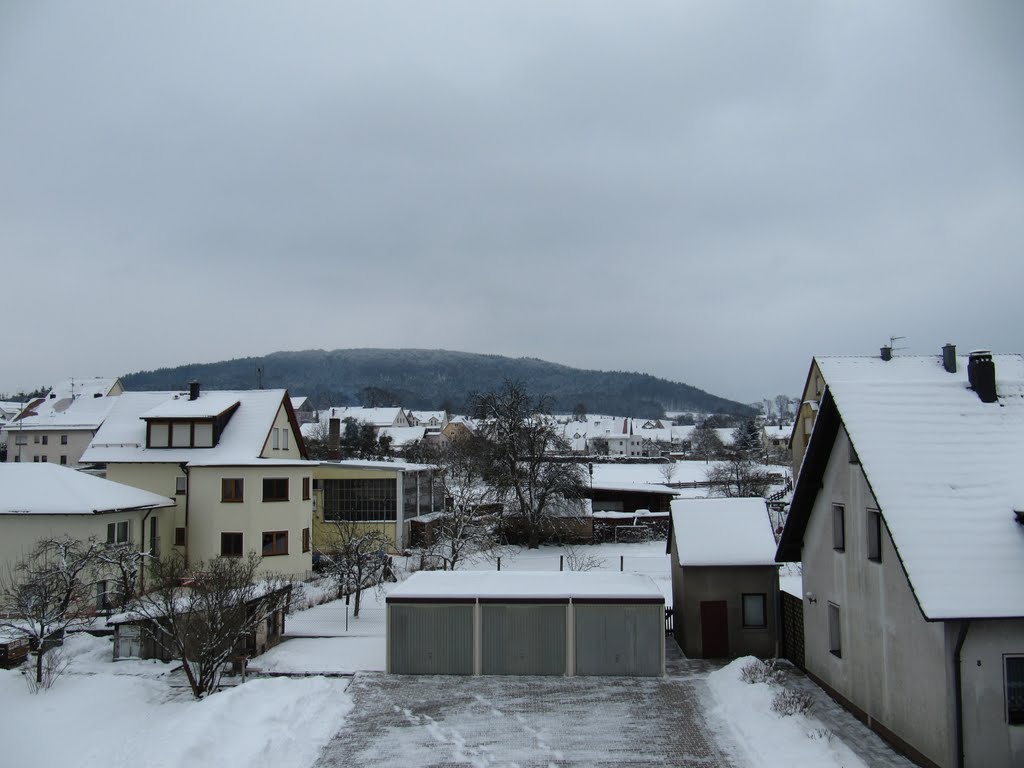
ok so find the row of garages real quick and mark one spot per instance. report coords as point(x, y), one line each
point(517, 623)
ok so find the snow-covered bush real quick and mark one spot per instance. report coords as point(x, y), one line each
point(787, 702)
point(758, 671)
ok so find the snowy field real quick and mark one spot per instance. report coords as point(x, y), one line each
point(105, 715)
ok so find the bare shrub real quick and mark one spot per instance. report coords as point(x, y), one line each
point(824, 734)
point(53, 664)
point(787, 702)
point(758, 671)
point(578, 560)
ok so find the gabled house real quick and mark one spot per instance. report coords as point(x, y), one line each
point(376, 417)
point(235, 463)
point(725, 582)
point(908, 517)
point(57, 435)
point(40, 501)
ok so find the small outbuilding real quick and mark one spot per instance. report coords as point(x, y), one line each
point(525, 623)
point(725, 582)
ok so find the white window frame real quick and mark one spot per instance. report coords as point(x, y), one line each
point(835, 630)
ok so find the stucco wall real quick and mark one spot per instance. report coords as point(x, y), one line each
point(78, 441)
point(894, 664)
point(692, 585)
point(280, 422)
point(988, 739)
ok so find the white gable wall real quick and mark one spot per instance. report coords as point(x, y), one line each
point(894, 663)
point(282, 425)
point(988, 739)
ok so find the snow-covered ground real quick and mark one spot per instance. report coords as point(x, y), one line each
point(768, 739)
point(125, 715)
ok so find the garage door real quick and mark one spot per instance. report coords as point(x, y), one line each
point(522, 639)
point(617, 639)
point(430, 639)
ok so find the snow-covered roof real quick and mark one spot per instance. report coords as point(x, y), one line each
point(378, 417)
point(387, 466)
point(80, 413)
point(208, 405)
point(73, 389)
point(402, 436)
point(50, 489)
point(722, 532)
point(944, 468)
point(513, 585)
point(122, 438)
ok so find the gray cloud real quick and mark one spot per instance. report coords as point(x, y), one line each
point(707, 191)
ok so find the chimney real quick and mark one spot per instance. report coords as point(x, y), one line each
point(334, 439)
point(981, 372)
point(887, 353)
point(949, 358)
point(193, 390)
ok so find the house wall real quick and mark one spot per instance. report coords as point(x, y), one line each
point(988, 739)
point(893, 666)
point(322, 530)
point(281, 422)
point(161, 479)
point(78, 441)
point(806, 414)
point(692, 585)
point(19, 533)
point(207, 516)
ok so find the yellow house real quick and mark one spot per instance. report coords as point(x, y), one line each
point(233, 461)
point(40, 501)
point(377, 495)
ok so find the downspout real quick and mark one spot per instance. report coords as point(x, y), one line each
point(184, 468)
point(958, 692)
point(142, 571)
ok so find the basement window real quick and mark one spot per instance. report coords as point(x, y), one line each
point(1015, 690)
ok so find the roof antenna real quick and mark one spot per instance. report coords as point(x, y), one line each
point(892, 343)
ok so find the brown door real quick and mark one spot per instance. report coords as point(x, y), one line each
point(714, 629)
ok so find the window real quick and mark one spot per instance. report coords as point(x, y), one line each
point(284, 439)
point(755, 613)
point(275, 543)
point(35, 439)
point(44, 458)
point(276, 439)
point(305, 539)
point(232, 489)
point(154, 537)
point(158, 435)
point(181, 434)
point(275, 489)
point(231, 544)
point(305, 489)
point(46, 439)
point(874, 535)
point(21, 440)
point(63, 459)
point(838, 527)
point(17, 459)
point(363, 500)
point(179, 537)
point(835, 635)
point(35, 459)
point(180, 485)
point(203, 434)
point(854, 459)
point(1015, 690)
point(118, 533)
point(63, 439)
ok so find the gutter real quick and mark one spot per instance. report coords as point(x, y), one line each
point(958, 692)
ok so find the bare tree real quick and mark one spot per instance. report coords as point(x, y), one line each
point(738, 477)
point(203, 613)
point(668, 471)
point(355, 555)
point(47, 593)
point(123, 564)
point(465, 527)
point(519, 436)
point(783, 408)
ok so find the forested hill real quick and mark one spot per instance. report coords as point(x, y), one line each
point(432, 379)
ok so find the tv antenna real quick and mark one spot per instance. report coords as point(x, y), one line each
point(892, 343)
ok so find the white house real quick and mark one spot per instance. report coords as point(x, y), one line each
point(908, 517)
point(234, 461)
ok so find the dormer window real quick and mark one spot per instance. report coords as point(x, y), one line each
point(180, 434)
point(188, 423)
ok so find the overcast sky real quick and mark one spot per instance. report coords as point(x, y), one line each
point(704, 190)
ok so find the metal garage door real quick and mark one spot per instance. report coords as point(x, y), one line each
point(619, 639)
point(522, 638)
point(430, 639)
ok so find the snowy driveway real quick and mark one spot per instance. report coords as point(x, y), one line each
point(527, 722)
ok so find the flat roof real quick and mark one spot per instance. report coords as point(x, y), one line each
point(522, 585)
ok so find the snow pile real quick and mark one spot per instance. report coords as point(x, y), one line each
point(124, 719)
point(770, 740)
